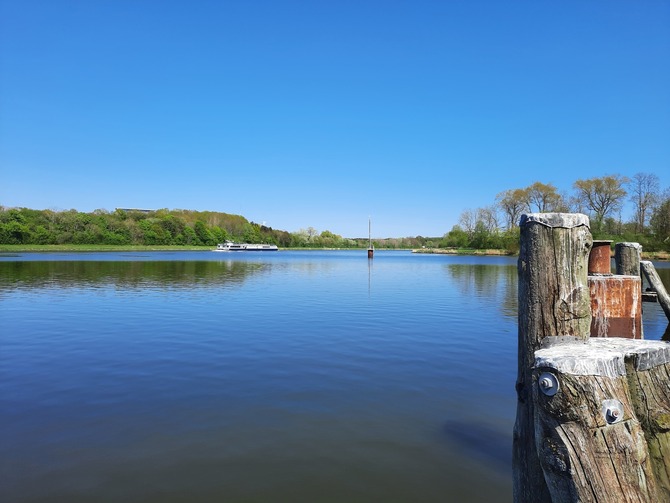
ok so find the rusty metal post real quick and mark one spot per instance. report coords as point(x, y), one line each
point(600, 258)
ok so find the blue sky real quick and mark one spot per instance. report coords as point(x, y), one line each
point(322, 113)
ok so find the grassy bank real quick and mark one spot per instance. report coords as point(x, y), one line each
point(96, 248)
point(661, 255)
point(123, 248)
point(462, 251)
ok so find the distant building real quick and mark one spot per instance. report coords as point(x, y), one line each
point(138, 210)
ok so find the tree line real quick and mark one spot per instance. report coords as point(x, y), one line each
point(130, 227)
point(494, 226)
point(602, 198)
point(24, 226)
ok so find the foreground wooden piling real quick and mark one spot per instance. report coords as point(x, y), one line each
point(593, 414)
point(554, 302)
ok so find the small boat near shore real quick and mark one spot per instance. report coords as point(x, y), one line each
point(230, 246)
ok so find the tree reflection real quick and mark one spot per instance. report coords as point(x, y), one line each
point(496, 282)
point(499, 282)
point(125, 274)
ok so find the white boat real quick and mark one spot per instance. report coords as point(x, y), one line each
point(230, 246)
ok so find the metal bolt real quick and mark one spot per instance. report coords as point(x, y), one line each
point(613, 411)
point(613, 414)
point(548, 383)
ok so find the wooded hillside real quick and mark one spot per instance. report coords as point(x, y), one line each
point(23, 226)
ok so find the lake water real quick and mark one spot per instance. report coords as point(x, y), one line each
point(295, 376)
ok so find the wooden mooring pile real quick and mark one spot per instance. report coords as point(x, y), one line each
point(593, 410)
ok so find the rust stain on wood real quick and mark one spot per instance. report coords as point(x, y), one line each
point(616, 306)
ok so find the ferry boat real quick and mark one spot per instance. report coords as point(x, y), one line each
point(230, 246)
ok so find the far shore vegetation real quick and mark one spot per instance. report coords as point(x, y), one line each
point(487, 230)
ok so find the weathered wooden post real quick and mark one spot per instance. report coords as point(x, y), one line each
point(593, 414)
point(554, 303)
point(606, 417)
point(657, 285)
point(628, 262)
point(627, 258)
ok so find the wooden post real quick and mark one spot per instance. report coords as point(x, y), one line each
point(657, 285)
point(592, 445)
point(593, 414)
point(650, 393)
point(627, 258)
point(554, 304)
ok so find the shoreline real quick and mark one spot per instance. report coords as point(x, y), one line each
point(662, 256)
point(464, 251)
point(658, 255)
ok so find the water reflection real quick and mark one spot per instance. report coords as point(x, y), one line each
point(482, 441)
point(369, 276)
point(125, 274)
point(495, 282)
point(309, 378)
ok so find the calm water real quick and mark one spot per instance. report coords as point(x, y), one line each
point(282, 377)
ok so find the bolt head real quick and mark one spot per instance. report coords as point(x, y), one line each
point(612, 411)
point(548, 384)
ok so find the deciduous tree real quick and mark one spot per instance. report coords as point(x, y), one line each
point(513, 203)
point(468, 221)
point(602, 195)
point(543, 197)
point(660, 221)
point(644, 193)
point(488, 218)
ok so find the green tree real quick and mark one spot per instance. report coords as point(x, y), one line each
point(481, 238)
point(220, 235)
point(543, 197)
point(15, 233)
point(513, 203)
point(251, 233)
point(170, 223)
point(42, 236)
point(189, 237)
point(455, 238)
point(204, 236)
point(602, 196)
point(283, 238)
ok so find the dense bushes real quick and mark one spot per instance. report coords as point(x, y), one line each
point(23, 226)
point(162, 227)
